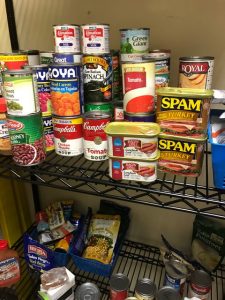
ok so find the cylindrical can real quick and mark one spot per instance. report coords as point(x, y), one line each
point(48, 131)
point(145, 289)
point(140, 117)
point(138, 87)
point(95, 139)
point(68, 135)
point(133, 43)
point(67, 58)
point(65, 89)
point(116, 76)
point(168, 293)
point(105, 107)
point(67, 38)
point(33, 57)
point(20, 91)
point(5, 145)
point(26, 135)
point(196, 72)
point(95, 38)
point(13, 61)
point(97, 74)
point(46, 57)
point(118, 110)
point(119, 286)
point(87, 290)
point(200, 285)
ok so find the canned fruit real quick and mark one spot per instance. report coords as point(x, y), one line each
point(67, 38)
point(134, 40)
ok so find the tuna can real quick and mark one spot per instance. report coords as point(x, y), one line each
point(67, 38)
point(118, 110)
point(145, 289)
point(196, 72)
point(104, 107)
point(168, 293)
point(20, 91)
point(97, 74)
point(116, 76)
point(46, 57)
point(87, 290)
point(200, 285)
point(119, 286)
point(65, 89)
point(48, 131)
point(95, 38)
point(68, 135)
point(67, 58)
point(26, 136)
point(95, 139)
point(140, 117)
point(133, 43)
point(138, 87)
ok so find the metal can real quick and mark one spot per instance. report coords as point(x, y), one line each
point(65, 89)
point(13, 61)
point(104, 107)
point(116, 76)
point(95, 38)
point(97, 74)
point(46, 57)
point(67, 58)
point(68, 135)
point(138, 87)
point(196, 72)
point(5, 145)
point(145, 289)
point(33, 57)
point(119, 286)
point(200, 285)
point(140, 117)
point(20, 91)
point(168, 293)
point(27, 140)
point(67, 38)
point(95, 139)
point(118, 110)
point(48, 131)
point(87, 290)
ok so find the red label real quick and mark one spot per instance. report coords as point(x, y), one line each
point(93, 33)
point(133, 143)
point(200, 290)
point(67, 132)
point(189, 68)
point(134, 80)
point(118, 295)
point(14, 125)
point(93, 128)
point(60, 33)
point(131, 166)
point(37, 250)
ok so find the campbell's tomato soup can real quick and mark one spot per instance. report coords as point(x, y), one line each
point(138, 87)
point(200, 285)
point(119, 286)
point(67, 38)
point(95, 138)
point(68, 135)
point(95, 38)
point(196, 72)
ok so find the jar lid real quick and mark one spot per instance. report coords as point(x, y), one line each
point(3, 244)
point(3, 107)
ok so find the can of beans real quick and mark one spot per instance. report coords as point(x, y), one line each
point(140, 117)
point(168, 293)
point(118, 110)
point(20, 91)
point(95, 38)
point(200, 285)
point(138, 86)
point(46, 57)
point(65, 89)
point(67, 38)
point(48, 131)
point(27, 140)
point(116, 76)
point(95, 139)
point(119, 286)
point(145, 289)
point(104, 107)
point(196, 72)
point(67, 58)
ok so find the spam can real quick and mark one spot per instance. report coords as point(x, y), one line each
point(67, 38)
point(48, 131)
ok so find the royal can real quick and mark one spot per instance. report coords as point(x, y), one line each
point(140, 117)
point(104, 107)
point(27, 140)
point(87, 290)
point(95, 38)
point(68, 135)
point(138, 87)
point(145, 289)
point(67, 58)
point(46, 57)
point(95, 139)
point(168, 293)
point(65, 89)
point(118, 110)
point(97, 74)
point(116, 76)
point(119, 286)
point(20, 91)
point(200, 285)
point(48, 131)
point(196, 72)
point(67, 38)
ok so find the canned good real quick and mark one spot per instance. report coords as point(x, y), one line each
point(145, 289)
point(13, 61)
point(20, 91)
point(131, 298)
point(168, 293)
point(140, 117)
point(46, 57)
point(95, 139)
point(116, 76)
point(95, 38)
point(67, 38)
point(200, 285)
point(65, 89)
point(119, 286)
point(68, 135)
point(105, 107)
point(26, 136)
point(138, 87)
point(33, 57)
point(48, 131)
point(196, 72)
point(87, 290)
point(97, 74)
point(67, 58)
point(5, 145)
point(118, 110)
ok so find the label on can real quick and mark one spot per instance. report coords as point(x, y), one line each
point(43, 87)
point(46, 58)
point(118, 295)
point(116, 76)
point(67, 58)
point(138, 87)
point(199, 292)
point(4, 136)
point(118, 113)
point(13, 61)
point(97, 74)
point(65, 89)
point(134, 40)
point(68, 136)
point(48, 132)
point(67, 38)
point(177, 284)
point(105, 107)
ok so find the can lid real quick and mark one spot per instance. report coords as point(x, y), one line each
point(87, 291)
point(176, 269)
point(3, 107)
point(201, 278)
point(145, 287)
point(127, 29)
point(168, 293)
point(3, 244)
point(184, 92)
point(119, 282)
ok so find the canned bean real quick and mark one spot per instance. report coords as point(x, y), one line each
point(145, 289)
point(119, 286)
point(48, 131)
point(67, 38)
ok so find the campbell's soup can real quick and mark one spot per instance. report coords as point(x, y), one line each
point(119, 286)
point(48, 131)
point(95, 138)
point(68, 135)
point(67, 38)
point(95, 38)
point(46, 57)
point(67, 58)
point(200, 285)
point(138, 87)
point(196, 72)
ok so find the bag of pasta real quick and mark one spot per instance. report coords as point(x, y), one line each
point(102, 236)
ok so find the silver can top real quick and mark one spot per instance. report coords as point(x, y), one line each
point(87, 291)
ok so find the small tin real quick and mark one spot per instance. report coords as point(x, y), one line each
point(145, 289)
point(87, 290)
point(48, 131)
point(119, 286)
point(67, 38)
point(118, 110)
point(104, 107)
point(46, 57)
point(140, 117)
point(200, 285)
point(95, 38)
point(168, 293)
point(67, 58)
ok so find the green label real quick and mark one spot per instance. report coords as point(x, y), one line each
point(20, 138)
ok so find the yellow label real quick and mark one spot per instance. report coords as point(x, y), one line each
point(179, 103)
point(13, 57)
point(96, 60)
point(177, 115)
point(170, 155)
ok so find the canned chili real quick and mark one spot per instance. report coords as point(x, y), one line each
point(145, 289)
point(119, 286)
point(67, 38)
point(48, 131)
point(200, 285)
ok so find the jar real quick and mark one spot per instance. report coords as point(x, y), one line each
point(200, 285)
point(9, 265)
point(5, 145)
